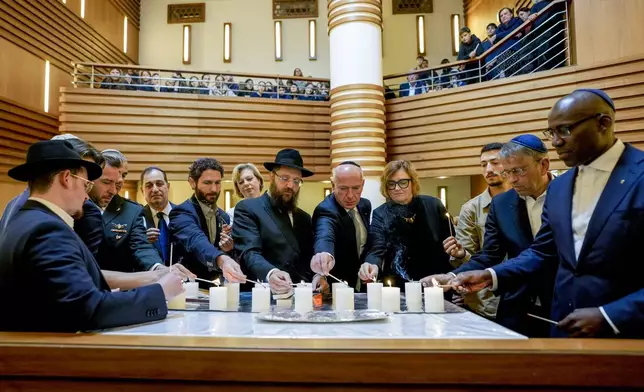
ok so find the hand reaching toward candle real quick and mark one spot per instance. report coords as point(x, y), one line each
point(368, 272)
point(172, 285)
point(180, 269)
point(584, 323)
point(280, 282)
point(320, 284)
point(442, 279)
point(322, 263)
point(453, 248)
point(231, 269)
point(471, 281)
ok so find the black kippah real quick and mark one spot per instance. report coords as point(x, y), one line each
point(350, 163)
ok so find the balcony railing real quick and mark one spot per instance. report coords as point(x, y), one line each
point(212, 83)
point(539, 45)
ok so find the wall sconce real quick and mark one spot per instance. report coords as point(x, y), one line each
point(127, 194)
point(278, 40)
point(455, 21)
point(64, 1)
point(228, 199)
point(228, 27)
point(46, 101)
point(420, 35)
point(187, 41)
point(313, 45)
point(125, 34)
point(442, 194)
point(83, 9)
point(327, 191)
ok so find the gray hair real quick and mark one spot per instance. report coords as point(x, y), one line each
point(114, 158)
point(512, 149)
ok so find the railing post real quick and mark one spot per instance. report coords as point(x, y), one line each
point(567, 34)
point(480, 75)
point(92, 80)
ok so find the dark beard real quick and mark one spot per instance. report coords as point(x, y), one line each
point(278, 199)
point(202, 198)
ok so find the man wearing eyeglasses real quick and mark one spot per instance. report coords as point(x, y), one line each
point(273, 237)
point(592, 226)
point(513, 220)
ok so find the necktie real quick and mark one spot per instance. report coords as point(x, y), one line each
point(357, 222)
point(164, 237)
point(212, 226)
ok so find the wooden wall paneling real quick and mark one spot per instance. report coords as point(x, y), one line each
point(442, 132)
point(172, 130)
point(107, 20)
point(131, 9)
point(132, 42)
point(23, 75)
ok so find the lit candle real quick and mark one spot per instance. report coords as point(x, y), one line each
point(374, 296)
point(345, 300)
point(178, 302)
point(414, 296)
point(303, 298)
point(391, 298)
point(233, 295)
point(434, 298)
point(192, 289)
point(450, 223)
point(261, 300)
point(218, 297)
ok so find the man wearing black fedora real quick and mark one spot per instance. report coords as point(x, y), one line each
point(273, 238)
point(40, 250)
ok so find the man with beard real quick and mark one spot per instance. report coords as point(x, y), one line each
point(513, 221)
point(274, 238)
point(470, 230)
point(201, 230)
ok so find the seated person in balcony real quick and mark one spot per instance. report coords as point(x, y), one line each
point(247, 88)
point(470, 48)
point(293, 92)
point(270, 90)
point(406, 235)
point(114, 81)
point(324, 92)
point(281, 92)
point(301, 84)
point(145, 82)
point(261, 91)
point(219, 88)
point(309, 94)
point(131, 79)
point(506, 59)
point(412, 86)
point(193, 85)
point(204, 86)
point(156, 83)
point(230, 84)
point(442, 76)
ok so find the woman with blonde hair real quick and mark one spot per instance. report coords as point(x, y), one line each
point(407, 232)
point(248, 183)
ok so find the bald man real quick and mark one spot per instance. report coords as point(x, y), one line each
point(341, 224)
point(592, 226)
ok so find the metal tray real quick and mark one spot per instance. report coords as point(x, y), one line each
point(323, 316)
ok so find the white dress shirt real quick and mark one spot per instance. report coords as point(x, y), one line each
point(56, 210)
point(166, 215)
point(534, 208)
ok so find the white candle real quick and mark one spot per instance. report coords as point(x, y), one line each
point(261, 299)
point(374, 296)
point(334, 287)
point(284, 303)
point(303, 298)
point(192, 289)
point(344, 299)
point(218, 298)
point(391, 299)
point(178, 302)
point(233, 295)
point(414, 296)
point(434, 300)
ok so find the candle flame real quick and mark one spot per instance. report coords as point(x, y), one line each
point(435, 282)
point(216, 282)
point(389, 283)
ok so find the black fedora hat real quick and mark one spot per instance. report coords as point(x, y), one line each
point(50, 155)
point(289, 158)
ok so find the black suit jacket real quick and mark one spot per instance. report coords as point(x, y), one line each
point(335, 233)
point(189, 232)
point(508, 233)
point(125, 245)
point(148, 222)
point(264, 239)
point(41, 252)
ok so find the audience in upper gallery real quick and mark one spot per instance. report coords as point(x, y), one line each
point(505, 60)
point(248, 184)
point(407, 232)
point(194, 85)
point(469, 48)
point(301, 84)
point(412, 86)
point(247, 88)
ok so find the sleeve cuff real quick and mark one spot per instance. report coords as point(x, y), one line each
point(610, 322)
point(453, 274)
point(155, 266)
point(268, 275)
point(495, 281)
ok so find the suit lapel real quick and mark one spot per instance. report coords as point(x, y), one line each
point(147, 213)
point(112, 210)
point(282, 221)
point(364, 214)
point(521, 219)
point(202, 218)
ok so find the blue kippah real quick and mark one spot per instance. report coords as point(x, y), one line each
point(601, 94)
point(530, 141)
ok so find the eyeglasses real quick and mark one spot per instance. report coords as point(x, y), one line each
point(403, 184)
point(88, 184)
point(287, 179)
point(565, 130)
point(518, 171)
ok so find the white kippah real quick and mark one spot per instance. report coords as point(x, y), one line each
point(65, 136)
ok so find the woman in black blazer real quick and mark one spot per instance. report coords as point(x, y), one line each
point(407, 232)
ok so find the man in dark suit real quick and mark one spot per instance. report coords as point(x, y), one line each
point(412, 86)
point(341, 225)
point(201, 229)
point(40, 250)
point(155, 188)
point(592, 223)
point(125, 245)
point(513, 221)
point(273, 238)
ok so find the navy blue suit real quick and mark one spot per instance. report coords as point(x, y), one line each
point(508, 233)
point(406, 87)
point(41, 252)
point(609, 269)
point(189, 231)
point(89, 227)
point(335, 233)
point(264, 239)
point(149, 222)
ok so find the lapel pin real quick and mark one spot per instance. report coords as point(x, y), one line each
point(621, 182)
